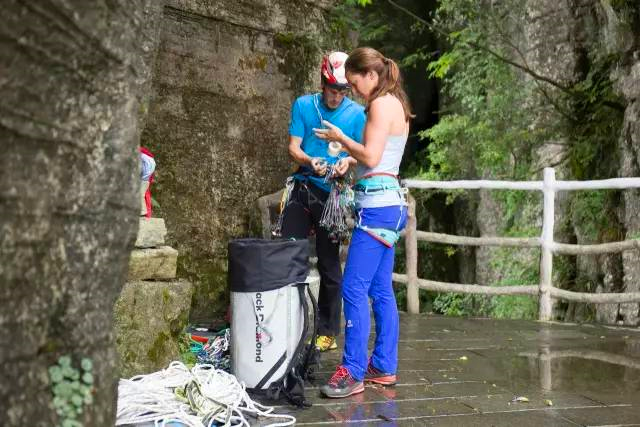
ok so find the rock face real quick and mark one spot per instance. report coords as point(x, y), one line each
point(153, 308)
point(561, 39)
point(630, 154)
point(71, 74)
point(225, 76)
point(149, 318)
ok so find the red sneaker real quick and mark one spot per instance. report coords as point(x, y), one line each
point(374, 375)
point(342, 384)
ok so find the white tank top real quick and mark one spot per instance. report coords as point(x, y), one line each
point(389, 164)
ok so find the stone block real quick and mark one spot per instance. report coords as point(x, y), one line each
point(151, 233)
point(153, 263)
point(148, 320)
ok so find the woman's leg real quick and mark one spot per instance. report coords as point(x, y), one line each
point(385, 312)
point(365, 254)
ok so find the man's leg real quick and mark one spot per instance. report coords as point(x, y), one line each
point(296, 219)
point(329, 298)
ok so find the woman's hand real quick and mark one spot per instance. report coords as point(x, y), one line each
point(331, 133)
point(342, 166)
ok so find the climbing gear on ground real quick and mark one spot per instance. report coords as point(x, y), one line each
point(202, 396)
point(216, 351)
point(342, 384)
point(326, 343)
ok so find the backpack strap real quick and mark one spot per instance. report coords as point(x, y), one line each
point(291, 383)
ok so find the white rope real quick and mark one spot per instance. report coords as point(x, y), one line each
point(218, 397)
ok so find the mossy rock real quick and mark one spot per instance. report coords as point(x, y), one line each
point(149, 318)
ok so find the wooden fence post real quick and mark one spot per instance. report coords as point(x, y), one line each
point(546, 259)
point(411, 249)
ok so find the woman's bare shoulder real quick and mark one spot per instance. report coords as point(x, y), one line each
point(388, 106)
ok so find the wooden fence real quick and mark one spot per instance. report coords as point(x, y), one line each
point(544, 289)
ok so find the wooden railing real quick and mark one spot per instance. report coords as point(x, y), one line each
point(544, 289)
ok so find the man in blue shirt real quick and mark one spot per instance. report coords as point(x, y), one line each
point(302, 214)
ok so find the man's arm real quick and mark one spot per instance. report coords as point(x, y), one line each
point(296, 153)
point(317, 165)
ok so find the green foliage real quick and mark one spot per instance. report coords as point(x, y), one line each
point(587, 208)
point(184, 348)
point(514, 269)
point(72, 389)
point(452, 304)
point(481, 134)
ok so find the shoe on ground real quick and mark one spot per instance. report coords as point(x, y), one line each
point(376, 376)
point(326, 343)
point(342, 384)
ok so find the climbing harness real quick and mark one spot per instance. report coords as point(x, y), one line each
point(380, 183)
point(201, 397)
point(286, 199)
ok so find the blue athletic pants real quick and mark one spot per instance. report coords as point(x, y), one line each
point(367, 275)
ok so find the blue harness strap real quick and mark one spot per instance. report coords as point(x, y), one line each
point(373, 184)
point(387, 237)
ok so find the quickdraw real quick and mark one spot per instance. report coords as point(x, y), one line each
point(338, 207)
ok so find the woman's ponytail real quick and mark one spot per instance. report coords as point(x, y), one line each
point(365, 59)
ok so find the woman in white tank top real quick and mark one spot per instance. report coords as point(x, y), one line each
point(381, 215)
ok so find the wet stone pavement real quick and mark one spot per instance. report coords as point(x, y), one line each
point(471, 372)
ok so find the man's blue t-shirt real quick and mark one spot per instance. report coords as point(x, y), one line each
point(307, 113)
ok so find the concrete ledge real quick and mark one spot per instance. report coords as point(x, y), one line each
point(151, 233)
point(153, 263)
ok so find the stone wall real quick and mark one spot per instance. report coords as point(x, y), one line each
point(225, 76)
point(153, 307)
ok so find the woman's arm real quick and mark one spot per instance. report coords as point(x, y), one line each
point(376, 131)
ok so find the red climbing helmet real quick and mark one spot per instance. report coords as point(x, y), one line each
point(332, 70)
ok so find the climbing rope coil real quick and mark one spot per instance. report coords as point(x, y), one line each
point(202, 396)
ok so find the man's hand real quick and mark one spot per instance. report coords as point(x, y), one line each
point(341, 167)
point(319, 166)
